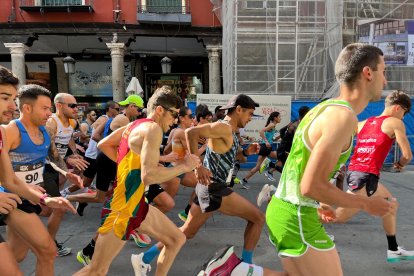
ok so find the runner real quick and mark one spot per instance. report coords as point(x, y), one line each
point(112, 109)
point(138, 156)
point(28, 146)
point(86, 129)
point(219, 114)
point(267, 134)
point(286, 134)
point(16, 114)
point(319, 147)
point(214, 195)
point(378, 135)
point(178, 143)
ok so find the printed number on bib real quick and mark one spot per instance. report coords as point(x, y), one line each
point(31, 174)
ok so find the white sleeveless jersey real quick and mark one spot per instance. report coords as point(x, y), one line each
point(92, 150)
point(63, 135)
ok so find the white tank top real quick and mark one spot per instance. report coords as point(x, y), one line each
point(63, 135)
point(92, 150)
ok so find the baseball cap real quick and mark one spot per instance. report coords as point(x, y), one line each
point(242, 100)
point(133, 99)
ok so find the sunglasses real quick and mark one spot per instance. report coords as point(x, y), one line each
point(210, 119)
point(116, 108)
point(71, 105)
point(405, 110)
point(173, 113)
point(93, 114)
point(139, 109)
point(189, 115)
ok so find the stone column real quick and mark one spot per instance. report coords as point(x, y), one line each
point(117, 55)
point(17, 51)
point(62, 76)
point(214, 68)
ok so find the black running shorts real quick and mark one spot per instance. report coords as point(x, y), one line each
point(105, 173)
point(357, 180)
point(50, 181)
point(209, 197)
point(264, 151)
point(91, 169)
point(26, 207)
point(281, 154)
point(154, 190)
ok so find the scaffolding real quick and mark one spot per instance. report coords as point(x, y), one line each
point(279, 47)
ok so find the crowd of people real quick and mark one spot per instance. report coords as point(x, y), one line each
point(140, 155)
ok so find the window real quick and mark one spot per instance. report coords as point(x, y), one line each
point(390, 28)
point(364, 30)
point(164, 6)
point(63, 2)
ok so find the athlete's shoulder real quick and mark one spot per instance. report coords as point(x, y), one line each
point(394, 123)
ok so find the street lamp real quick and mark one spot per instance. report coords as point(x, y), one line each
point(69, 64)
point(166, 65)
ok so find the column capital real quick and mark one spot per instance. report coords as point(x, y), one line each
point(117, 49)
point(17, 48)
point(213, 50)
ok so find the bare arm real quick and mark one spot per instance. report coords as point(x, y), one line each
point(84, 128)
point(212, 131)
point(147, 140)
point(97, 134)
point(53, 153)
point(401, 137)
point(109, 145)
point(269, 127)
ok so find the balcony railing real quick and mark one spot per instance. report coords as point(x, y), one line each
point(57, 5)
point(164, 6)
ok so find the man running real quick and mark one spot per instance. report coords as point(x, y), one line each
point(213, 194)
point(375, 139)
point(86, 129)
point(28, 146)
point(320, 146)
point(219, 114)
point(138, 154)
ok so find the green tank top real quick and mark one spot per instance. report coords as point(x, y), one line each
point(289, 184)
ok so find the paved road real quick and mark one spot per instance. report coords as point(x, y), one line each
point(361, 242)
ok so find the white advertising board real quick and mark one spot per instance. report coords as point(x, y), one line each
point(410, 60)
point(268, 104)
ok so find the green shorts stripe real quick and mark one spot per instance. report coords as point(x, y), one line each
point(294, 228)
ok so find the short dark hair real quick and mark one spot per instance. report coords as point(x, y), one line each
point(89, 110)
point(110, 104)
point(303, 110)
point(164, 96)
point(202, 111)
point(7, 77)
point(398, 97)
point(217, 109)
point(182, 112)
point(29, 93)
point(352, 59)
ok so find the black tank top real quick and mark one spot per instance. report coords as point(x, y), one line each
point(287, 139)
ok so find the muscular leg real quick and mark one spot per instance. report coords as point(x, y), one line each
point(102, 257)
point(158, 226)
point(86, 183)
point(256, 168)
point(171, 186)
point(236, 205)
point(29, 229)
point(54, 221)
point(8, 262)
point(189, 180)
point(163, 202)
point(314, 262)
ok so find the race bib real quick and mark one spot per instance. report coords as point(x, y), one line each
point(31, 174)
point(62, 149)
point(228, 180)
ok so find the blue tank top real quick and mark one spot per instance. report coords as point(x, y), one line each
point(28, 159)
point(107, 127)
point(269, 135)
point(221, 165)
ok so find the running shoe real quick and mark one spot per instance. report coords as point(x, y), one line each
point(141, 240)
point(61, 250)
point(399, 255)
point(90, 191)
point(264, 165)
point(80, 207)
point(264, 195)
point(183, 216)
point(236, 181)
point(222, 263)
point(140, 268)
point(270, 176)
point(82, 258)
point(92, 188)
point(244, 184)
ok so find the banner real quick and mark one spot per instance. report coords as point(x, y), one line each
point(268, 104)
point(95, 78)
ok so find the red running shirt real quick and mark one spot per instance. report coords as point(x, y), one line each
point(372, 147)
